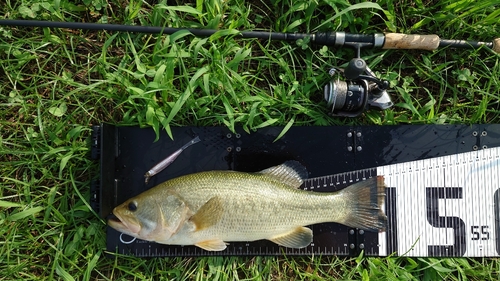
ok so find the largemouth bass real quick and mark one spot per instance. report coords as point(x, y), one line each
point(209, 209)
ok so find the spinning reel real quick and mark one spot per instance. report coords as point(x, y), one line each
point(360, 90)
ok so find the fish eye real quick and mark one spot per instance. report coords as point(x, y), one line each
point(132, 206)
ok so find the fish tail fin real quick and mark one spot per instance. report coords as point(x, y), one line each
point(365, 200)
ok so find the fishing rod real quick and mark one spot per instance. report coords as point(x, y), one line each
point(338, 39)
point(350, 97)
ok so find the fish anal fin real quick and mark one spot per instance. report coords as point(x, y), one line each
point(212, 245)
point(291, 173)
point(300, 237)
point(209, 214)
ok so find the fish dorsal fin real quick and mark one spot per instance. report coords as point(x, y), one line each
point(300, 237)
point(212, 245)
point(291, 173)
point(209, 214)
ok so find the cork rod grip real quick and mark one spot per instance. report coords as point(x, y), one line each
point(404, 41)
point(496, 45)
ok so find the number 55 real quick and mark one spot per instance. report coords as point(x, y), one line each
point(484, 235)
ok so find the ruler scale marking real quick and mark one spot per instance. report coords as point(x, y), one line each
point(474, 211)
point(455, 209)
point(496, 224)
point(492, 203)
point(487, 208)
point(496, 209)
point(448, 222)
point(476, 214)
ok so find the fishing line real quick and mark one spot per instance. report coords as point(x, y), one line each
point(127, 242)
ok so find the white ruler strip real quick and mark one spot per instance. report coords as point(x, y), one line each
point(445, 206)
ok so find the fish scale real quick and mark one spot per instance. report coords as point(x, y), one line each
point(249, 206)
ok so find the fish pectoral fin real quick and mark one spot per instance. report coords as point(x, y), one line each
point(212, 245)
point(209, 214)
point(298, 238)
point(291, 173)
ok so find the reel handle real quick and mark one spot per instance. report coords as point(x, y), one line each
point(355, 68)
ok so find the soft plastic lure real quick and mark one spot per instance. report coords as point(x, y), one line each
point(167, 161)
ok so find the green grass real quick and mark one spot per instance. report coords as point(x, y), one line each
point(55, 84)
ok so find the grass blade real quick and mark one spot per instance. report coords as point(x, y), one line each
point(25, 213)
point(185, 9)
point(187, 93)
point(8, 204)
point(365, 5)
point(286, 128)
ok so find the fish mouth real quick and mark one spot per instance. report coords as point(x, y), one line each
point(114, 218)
point(116, 222)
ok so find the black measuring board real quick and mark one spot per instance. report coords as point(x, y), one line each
point(335, 156)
